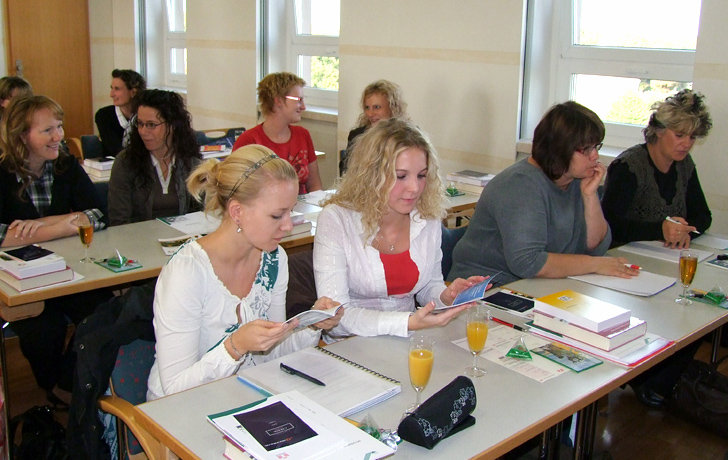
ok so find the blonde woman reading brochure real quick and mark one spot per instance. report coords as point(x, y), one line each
point(219, 303)
point(377, 245)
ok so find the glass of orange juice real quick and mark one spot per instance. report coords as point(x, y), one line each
point(421, 358)
point(86, 233)
point(688, 267)
point(477, 333)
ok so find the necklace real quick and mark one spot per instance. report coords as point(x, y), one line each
point(391, 245)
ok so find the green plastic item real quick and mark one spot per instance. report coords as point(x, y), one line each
point(519, 350)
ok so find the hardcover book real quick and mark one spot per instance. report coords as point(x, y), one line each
point(582, 310)
point(606, 340)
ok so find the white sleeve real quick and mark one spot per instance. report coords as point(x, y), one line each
point(331, 269)
point(179, 302)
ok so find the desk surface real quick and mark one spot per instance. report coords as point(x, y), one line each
point(511, 408)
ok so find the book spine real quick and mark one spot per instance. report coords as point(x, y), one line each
point(358, 366)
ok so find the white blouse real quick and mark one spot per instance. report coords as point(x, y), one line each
point(349, 270)
point(194, 313)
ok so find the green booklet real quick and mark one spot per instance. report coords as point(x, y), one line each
point(128, 265)
point(569, 357)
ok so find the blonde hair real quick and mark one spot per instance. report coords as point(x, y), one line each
point(371, 175)
point(17, 120)
point(241, 177)
point(392, 92)
point(276, 85)
point(683, 112)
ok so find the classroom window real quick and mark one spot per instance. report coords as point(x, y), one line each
point(309, 47)
point(164, 52)
point(616, 64)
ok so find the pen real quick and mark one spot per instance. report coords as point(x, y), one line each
point(670, 219)
point(633, 266)
point(292, 371)
point(514, 326)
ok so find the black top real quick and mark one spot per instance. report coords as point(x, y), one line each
point(110, 131)
point(72, 191)
point(620, 195)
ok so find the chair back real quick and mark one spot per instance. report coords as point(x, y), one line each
point(75, 148)
point(91, 146)
point(129, 380)
point(234, 133)
point(450, 237)
point(301, 293)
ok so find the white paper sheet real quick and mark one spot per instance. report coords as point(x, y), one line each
point(645, 284)
point(657, 250)
point(712, 240)
point(193, 223)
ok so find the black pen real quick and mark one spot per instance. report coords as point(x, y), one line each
point(292, 371)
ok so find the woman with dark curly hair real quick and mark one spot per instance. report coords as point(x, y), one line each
point(651, 181)
point(148, 177)
point(114, 121)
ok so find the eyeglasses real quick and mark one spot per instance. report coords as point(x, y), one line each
point(148, 125)
point(299, 100)
point(588, 150)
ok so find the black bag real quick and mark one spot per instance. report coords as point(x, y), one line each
point(701, 396)
point(42, 437)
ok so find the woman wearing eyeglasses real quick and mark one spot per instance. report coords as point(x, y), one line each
point(280, 97)
point(650, 182)
point(541, 216)
point(148, 177)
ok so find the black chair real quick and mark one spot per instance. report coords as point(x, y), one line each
point(91, 146)
point(301, 294)
point(450, 237)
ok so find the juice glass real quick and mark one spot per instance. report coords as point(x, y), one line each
point(688, 266)
point(421, 358)
point(86, 233)
point(477, 332)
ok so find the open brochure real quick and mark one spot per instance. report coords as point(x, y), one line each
point(309, 317)
point(293, 427)
point(349, 387)
point(471, 294)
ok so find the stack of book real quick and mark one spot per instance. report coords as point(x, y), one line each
point(469, 181)
point(32, 267)
point(99, 168)
point(586, 319)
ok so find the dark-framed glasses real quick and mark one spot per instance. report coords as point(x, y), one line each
point(149, 125)
point(588, 150)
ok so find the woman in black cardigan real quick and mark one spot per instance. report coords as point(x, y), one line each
point(44, 195)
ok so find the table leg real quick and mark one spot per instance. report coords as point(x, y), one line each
point(586, 425)
point(716, 345)
point(551, 442)
point(5, 397)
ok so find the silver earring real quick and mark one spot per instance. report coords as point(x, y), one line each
point(239, 229)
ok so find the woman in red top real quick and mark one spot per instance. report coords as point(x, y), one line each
point(280, 96)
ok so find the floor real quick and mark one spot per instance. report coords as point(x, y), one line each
point(626, 429)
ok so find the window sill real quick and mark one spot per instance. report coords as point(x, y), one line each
point(329, 115)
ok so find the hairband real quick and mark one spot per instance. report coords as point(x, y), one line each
point(249, 172)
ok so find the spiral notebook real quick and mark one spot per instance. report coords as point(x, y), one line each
point(350, 387)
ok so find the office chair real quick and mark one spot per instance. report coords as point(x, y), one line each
point(450, 237)
point(91, 146)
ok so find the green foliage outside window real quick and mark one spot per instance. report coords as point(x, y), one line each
point(325, 72)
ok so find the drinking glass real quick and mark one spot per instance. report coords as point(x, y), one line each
point(86, 233)
point(421, 358)
point(688, 266)
point(477, 333)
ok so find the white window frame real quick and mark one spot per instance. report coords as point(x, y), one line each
point(555, 35)
point(173, 40)
point(282, 49)
point(157, 44)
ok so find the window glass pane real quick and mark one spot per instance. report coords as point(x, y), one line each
point(177, 15)
point(622, 100)
point(178, 61)
point(662, 24)
point(317, 17)
point(319, 71)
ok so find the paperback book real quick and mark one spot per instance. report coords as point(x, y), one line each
point(582, 310)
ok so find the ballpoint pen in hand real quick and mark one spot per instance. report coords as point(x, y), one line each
point(670, 219)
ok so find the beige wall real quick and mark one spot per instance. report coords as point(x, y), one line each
point(711, 78)
point(458, 64)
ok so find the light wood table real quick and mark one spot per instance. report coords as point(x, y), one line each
point(511, 408)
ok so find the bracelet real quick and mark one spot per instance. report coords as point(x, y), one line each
point(232, 345)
